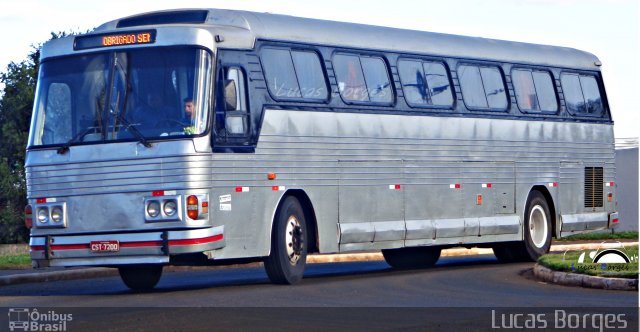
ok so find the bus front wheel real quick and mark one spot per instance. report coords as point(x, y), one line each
point(286, 261)
point(140, 277)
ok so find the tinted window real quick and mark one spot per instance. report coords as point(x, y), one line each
point(546, 92)
point(494, 87)
point(482, 87)
point(413, 82)
point(350, 78)
point(591, 94)
point(362, 78)
point(279, 72)
point(438, 84)
point(375, 75)
point(425, 83)
point(472, 88)
point(294, 74)
point(534, 90)
point(581, 94)
point(310, 75)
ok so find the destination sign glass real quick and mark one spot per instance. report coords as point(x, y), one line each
point(115, 39)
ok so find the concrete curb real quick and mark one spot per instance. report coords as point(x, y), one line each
point(582, 280)
point(83, 273)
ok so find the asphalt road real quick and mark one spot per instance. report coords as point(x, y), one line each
point(468, 292)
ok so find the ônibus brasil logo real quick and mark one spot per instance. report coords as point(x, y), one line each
point(25, 319)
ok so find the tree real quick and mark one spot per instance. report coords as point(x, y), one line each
point(16, 105)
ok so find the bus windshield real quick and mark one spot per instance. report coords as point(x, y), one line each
point(126, 95)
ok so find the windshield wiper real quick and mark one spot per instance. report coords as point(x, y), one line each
point(65, 147)
point(125, 123)
point(132, 129)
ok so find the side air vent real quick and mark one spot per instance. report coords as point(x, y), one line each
point(173, 17)
point(593, 187)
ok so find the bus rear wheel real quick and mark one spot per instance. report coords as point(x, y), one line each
point(286, 262)
point(537, 227)
point(140, 277)
point(537, 233)
point(412, 258)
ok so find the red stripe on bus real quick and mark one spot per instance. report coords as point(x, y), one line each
point(182, 242)
point(196, 241)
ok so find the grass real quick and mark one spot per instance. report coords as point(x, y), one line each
point(568, 262)
point(601, 236)
point(20, 261)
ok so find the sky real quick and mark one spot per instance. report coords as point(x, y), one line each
point(607, 28)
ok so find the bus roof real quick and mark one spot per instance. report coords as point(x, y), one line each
point(246, 27)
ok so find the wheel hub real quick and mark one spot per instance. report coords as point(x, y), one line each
point(294, 240)
point(538, 226)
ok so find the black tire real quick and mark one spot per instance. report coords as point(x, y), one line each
point(412, 258)
point(510, 252)
point(286, 262)
point(140, 277)
point(537, 227)
point(537, 233)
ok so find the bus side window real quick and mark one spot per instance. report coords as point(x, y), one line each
point(235, 106)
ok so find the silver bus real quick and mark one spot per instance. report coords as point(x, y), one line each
point(191, 137)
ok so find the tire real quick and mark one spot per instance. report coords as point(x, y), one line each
point(286, 261)
point(537, 234)
point(412, 258)
point(510, 252)
point(537, 227)
point(140, 277)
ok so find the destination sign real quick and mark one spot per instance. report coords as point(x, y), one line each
point(110, 40)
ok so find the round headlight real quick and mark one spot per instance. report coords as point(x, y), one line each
point(43, 214)
point(170, 208)
point(56, 214)
point(153, 209)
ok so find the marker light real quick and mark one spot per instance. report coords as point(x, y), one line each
point(153, 208)
point(28, 216)
point(192, 207)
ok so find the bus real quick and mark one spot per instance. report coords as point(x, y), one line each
point(207, 136)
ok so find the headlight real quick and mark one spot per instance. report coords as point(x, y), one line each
point(43, 214)
point(56, 214)
point(170, 208)
point(153, 209)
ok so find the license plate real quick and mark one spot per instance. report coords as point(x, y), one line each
point(105, 246)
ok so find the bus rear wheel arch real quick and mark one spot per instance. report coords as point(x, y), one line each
point(537, 233)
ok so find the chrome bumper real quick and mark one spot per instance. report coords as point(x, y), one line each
point(134, 248)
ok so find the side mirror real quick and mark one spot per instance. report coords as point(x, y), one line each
point(230, 95)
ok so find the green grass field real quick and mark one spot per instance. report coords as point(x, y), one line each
point(568, 262)
point(601, 236)
point(21, 261)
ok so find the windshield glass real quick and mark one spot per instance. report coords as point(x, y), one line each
point(129, 95)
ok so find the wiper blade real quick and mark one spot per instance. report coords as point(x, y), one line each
point(128, 126)
point(65, 147)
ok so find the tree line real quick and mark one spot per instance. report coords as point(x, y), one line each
point(16, 105)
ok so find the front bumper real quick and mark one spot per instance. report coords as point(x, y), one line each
point(134, 248)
